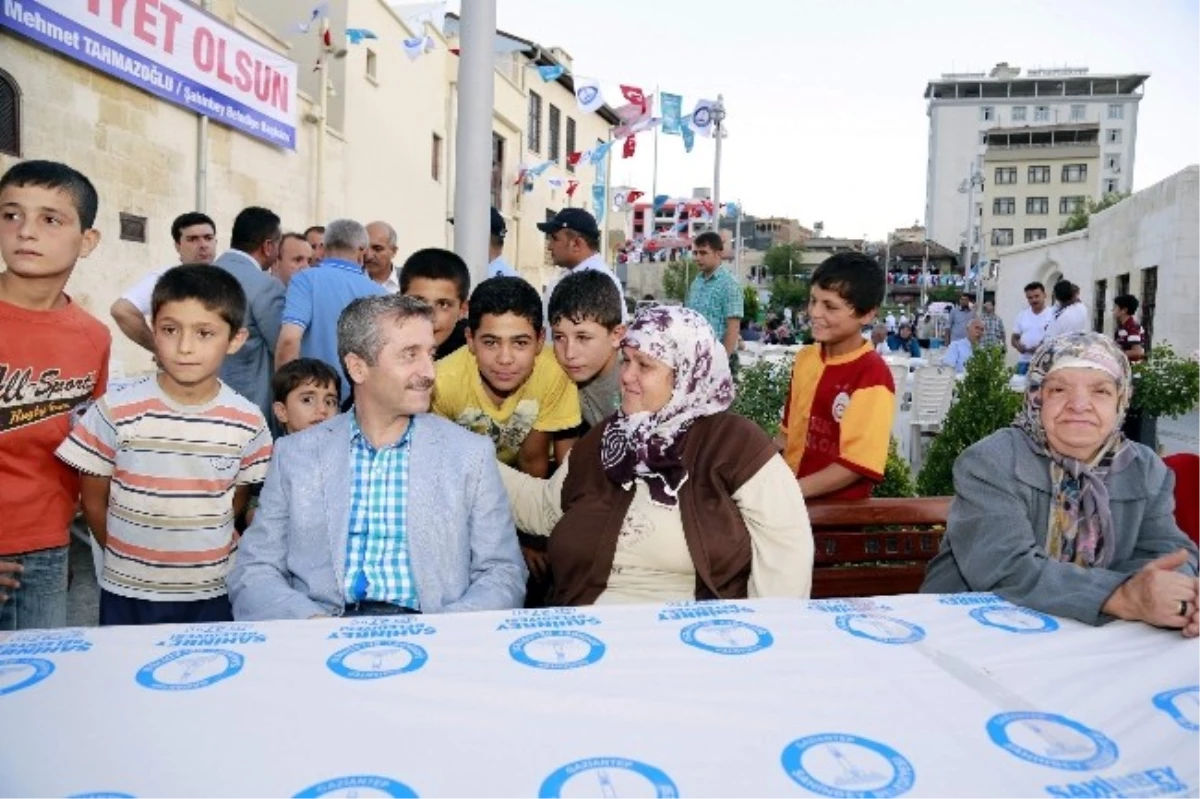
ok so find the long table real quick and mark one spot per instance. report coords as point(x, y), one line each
point(961, 695)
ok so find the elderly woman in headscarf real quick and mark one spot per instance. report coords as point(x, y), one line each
point(1060, 513)
point(673, 497)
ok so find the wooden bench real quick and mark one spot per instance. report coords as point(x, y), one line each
point(854, 561)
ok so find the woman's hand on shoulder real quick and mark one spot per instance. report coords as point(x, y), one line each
point(1159, 595)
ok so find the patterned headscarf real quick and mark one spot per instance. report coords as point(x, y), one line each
point(1080, 526)
point(649, 445)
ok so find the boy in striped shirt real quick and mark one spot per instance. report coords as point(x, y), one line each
point(167, 463)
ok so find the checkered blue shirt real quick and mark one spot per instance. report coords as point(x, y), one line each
point(718, 298)
point(377, 567)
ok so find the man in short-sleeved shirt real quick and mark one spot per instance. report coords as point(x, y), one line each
point(1030, 326)
point(715, 293)
point(1129, 335)
point(959, 317)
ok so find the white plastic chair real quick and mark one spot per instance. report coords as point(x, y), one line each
point(932, 393)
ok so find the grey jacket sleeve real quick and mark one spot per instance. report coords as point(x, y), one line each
point(267, 308)
point(992, 539)
point(498, 571)
point(1159, 534)
point(259, 586)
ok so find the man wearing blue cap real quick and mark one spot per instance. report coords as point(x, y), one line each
point(573, 239)
point(497, 266)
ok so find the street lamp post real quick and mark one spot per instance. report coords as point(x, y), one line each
point(968, 187)
point(718, 116)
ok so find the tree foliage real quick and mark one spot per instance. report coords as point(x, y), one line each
point(1079, 219)
point(677, 278)
point(788, 294)
point(983, 403)
point(1165, 384)
point(762, 390)
point(785, 261)
point(897, 476)
point(750, 302)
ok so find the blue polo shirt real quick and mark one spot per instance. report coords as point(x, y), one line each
point(316, 298)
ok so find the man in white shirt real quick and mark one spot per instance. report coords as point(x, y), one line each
point(497, 266)
point(195, 238)
point(378, 261)
point(573, 239)
point(1070, 315)
point(890, 322)
point(961, 349)
point(1030, 327)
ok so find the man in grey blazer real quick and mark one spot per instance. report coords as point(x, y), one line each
point(255, 248)
point(384, 509)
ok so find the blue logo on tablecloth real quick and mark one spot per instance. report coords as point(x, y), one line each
point(883, 629)
point(1013, 619)
point(1048, 739)
point(29, 643)
point(726, 637)
point(17, 674)
point(372, 660)
point(608, 776)
point(189, 669)
point(102, 795)
point(842, 765)
point(557, 649)
point(358, 785)
point(1181, 704)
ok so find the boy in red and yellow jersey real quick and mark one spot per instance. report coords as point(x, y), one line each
point(838, 419)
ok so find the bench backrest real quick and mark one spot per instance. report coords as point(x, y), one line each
point(874, 547)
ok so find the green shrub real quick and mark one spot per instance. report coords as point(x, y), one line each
point(897, 476)
point(983, 404)
point(762, 390)
point(1165, 384)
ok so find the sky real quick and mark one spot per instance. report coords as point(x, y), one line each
point(826, 114)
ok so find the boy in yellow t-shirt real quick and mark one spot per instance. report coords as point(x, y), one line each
point(503, 385)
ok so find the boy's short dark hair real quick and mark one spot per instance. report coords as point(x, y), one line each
point(856, 278)
point(187, 220)
point(435, 263)
point(710, 239)
point(1064, 290)
point(588, 296)
point(211, 286)
point(252, 227)
point(1034, 286)
point(1127, 303)
point(53, 175)
point(314, 229)
point(500, 295)
point(294, 374)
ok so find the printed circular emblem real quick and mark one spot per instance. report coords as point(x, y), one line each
point(189, 669)
point(17, 674)
point(702, 117)
point(358, 785)
point(102, 795)
point(726, 637)
point(840, 403)
point(1182, 705)
point(587, 94)
point(1052, 740)
point(373, 660)
point(884, 629)
point(608, 776)
point(841, 765)
point(557, 649)
point(1014, 619)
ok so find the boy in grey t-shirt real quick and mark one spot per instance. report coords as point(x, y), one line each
point(585, 322)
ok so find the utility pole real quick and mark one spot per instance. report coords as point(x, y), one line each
point(737, 242)
point(924, 275)
point(718, 113)
point(322, 123)
point(968, 186)
point(473, 148)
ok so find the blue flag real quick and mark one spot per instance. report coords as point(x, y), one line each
point(599, 191)
point(689, 136)
point(731, 209)
point(600, 151)
point(551, 72)
point(672, 110)
point(660, 201)
point(536, 171)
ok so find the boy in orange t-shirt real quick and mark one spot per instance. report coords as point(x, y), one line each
point(53, 362)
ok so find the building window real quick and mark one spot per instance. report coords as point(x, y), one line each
point(372, 62)
point(10, 115)
point(570, 141)
point(497, 171)
point(1116, 111)
point(535, 122)
point(1146, 306)
point(1069, 205)
point(1004, 206)
point(1113, 135)
point(1018, 113)
point(1073, 173)
point(1113, 162)
point(1122, 284)
point(1041, 113)
point(1078, 112)
point(983, 137)
point(1039, 174)
point(1002, 237)
point(987, 113)
point(554, 131)
point(1037, 205)
point(1112, 185)
point(1034, 234)
point(1099, 310)
point(435, 157)
point(1006, 174)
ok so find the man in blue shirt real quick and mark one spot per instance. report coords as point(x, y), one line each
point(715, 293)
point(497, 266)
point(961, 350)
point(317, 296)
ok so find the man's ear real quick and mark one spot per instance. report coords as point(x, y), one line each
point(462, 309)
point(356, 368)
point(91, 239)
point(869, 316)
point(236, 342)
point(616, 335)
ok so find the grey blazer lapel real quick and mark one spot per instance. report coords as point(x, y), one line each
point(333, 459)
point(421, 524)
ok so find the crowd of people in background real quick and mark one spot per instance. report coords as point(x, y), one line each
point(327, 433)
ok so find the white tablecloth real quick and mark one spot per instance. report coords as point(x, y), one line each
point(927, 696)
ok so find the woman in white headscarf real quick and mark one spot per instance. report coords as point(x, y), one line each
point(673, 497)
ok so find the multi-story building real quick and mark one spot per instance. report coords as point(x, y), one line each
point(965, 109)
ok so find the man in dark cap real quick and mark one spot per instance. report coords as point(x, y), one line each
point(497, 266)
point(573, 239)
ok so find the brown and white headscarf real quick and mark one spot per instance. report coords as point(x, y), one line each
point(649, 446)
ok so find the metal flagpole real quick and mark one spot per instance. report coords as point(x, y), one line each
point(473, 148)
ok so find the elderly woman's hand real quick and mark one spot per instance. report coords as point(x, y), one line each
point(1157, 594)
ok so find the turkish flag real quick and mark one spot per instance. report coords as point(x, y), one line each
point(633, 196)
point(635, 95)
point(630, 145)
point(573, 158)
point(572, 185)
